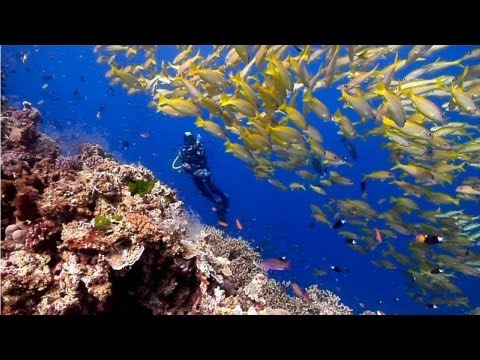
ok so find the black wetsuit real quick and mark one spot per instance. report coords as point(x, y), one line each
point(194, 162)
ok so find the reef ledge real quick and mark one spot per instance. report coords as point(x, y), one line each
point(75, 240)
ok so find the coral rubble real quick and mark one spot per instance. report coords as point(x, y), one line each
point(77, 238)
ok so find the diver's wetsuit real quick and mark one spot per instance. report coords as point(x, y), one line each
point(194, 162)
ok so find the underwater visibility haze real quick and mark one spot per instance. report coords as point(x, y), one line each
point(353, 167)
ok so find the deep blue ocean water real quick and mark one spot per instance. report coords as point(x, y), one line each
point(279, 222)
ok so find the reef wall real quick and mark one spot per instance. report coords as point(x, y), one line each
point(87, 235)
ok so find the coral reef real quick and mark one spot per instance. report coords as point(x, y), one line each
point(79, 238)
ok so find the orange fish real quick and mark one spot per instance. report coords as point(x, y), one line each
point(378, 235)
point(298, 291)
point(420, 238)
point(223, 223)
point(239, 225)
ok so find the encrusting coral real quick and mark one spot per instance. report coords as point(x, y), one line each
point(79, 238)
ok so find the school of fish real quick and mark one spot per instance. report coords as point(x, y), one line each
point(266, 103)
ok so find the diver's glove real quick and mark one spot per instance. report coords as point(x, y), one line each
point(201, 173)
point(186, 167)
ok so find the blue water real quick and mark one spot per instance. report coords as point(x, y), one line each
point(279, 222)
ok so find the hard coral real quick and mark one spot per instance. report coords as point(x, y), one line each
point(151, 258)
point(25, 277)
point(41, 233)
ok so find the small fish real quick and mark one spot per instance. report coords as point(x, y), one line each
point(276, 264)
point(76, 92)
point(336, 268)
point(378, 236)
point(339, 224)
point(436, 270)
point(350, 241)
point(125, 143)
point(350, 148)
point(223, 223)
point(239, 224)
point(363, 185)
point(23, 57)
point(432, 306)
point(47, 77)
point(45, 86)
point(319, 272)
point(299, 292)
point(82, 79)
point(145, 135)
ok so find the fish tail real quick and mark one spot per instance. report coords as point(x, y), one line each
point(199, 122)
point(397, 166)
point(192, 70)
point(162, 100)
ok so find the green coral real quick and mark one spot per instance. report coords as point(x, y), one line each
point(141, 187)
point(101, 223)
point(117, 217)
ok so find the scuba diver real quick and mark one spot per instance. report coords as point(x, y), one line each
point(194, 162)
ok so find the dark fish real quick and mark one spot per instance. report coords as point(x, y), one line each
point(27, 69)
point(76, 92)
point(82, 79)
point(436, 270)
point(47, 77)
point(432, 306)
point(125, 143)
point(317, 166)
point(258, 249)
point(101, 107)
point(467, 252)
point(339, 224)
point(283, 258)
point(433, 239)
point(363, 185)
point(350, 148)
point(112, 92)
point(13, 71)
point(336, 268)
point(350, 241)
point(312, 224)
